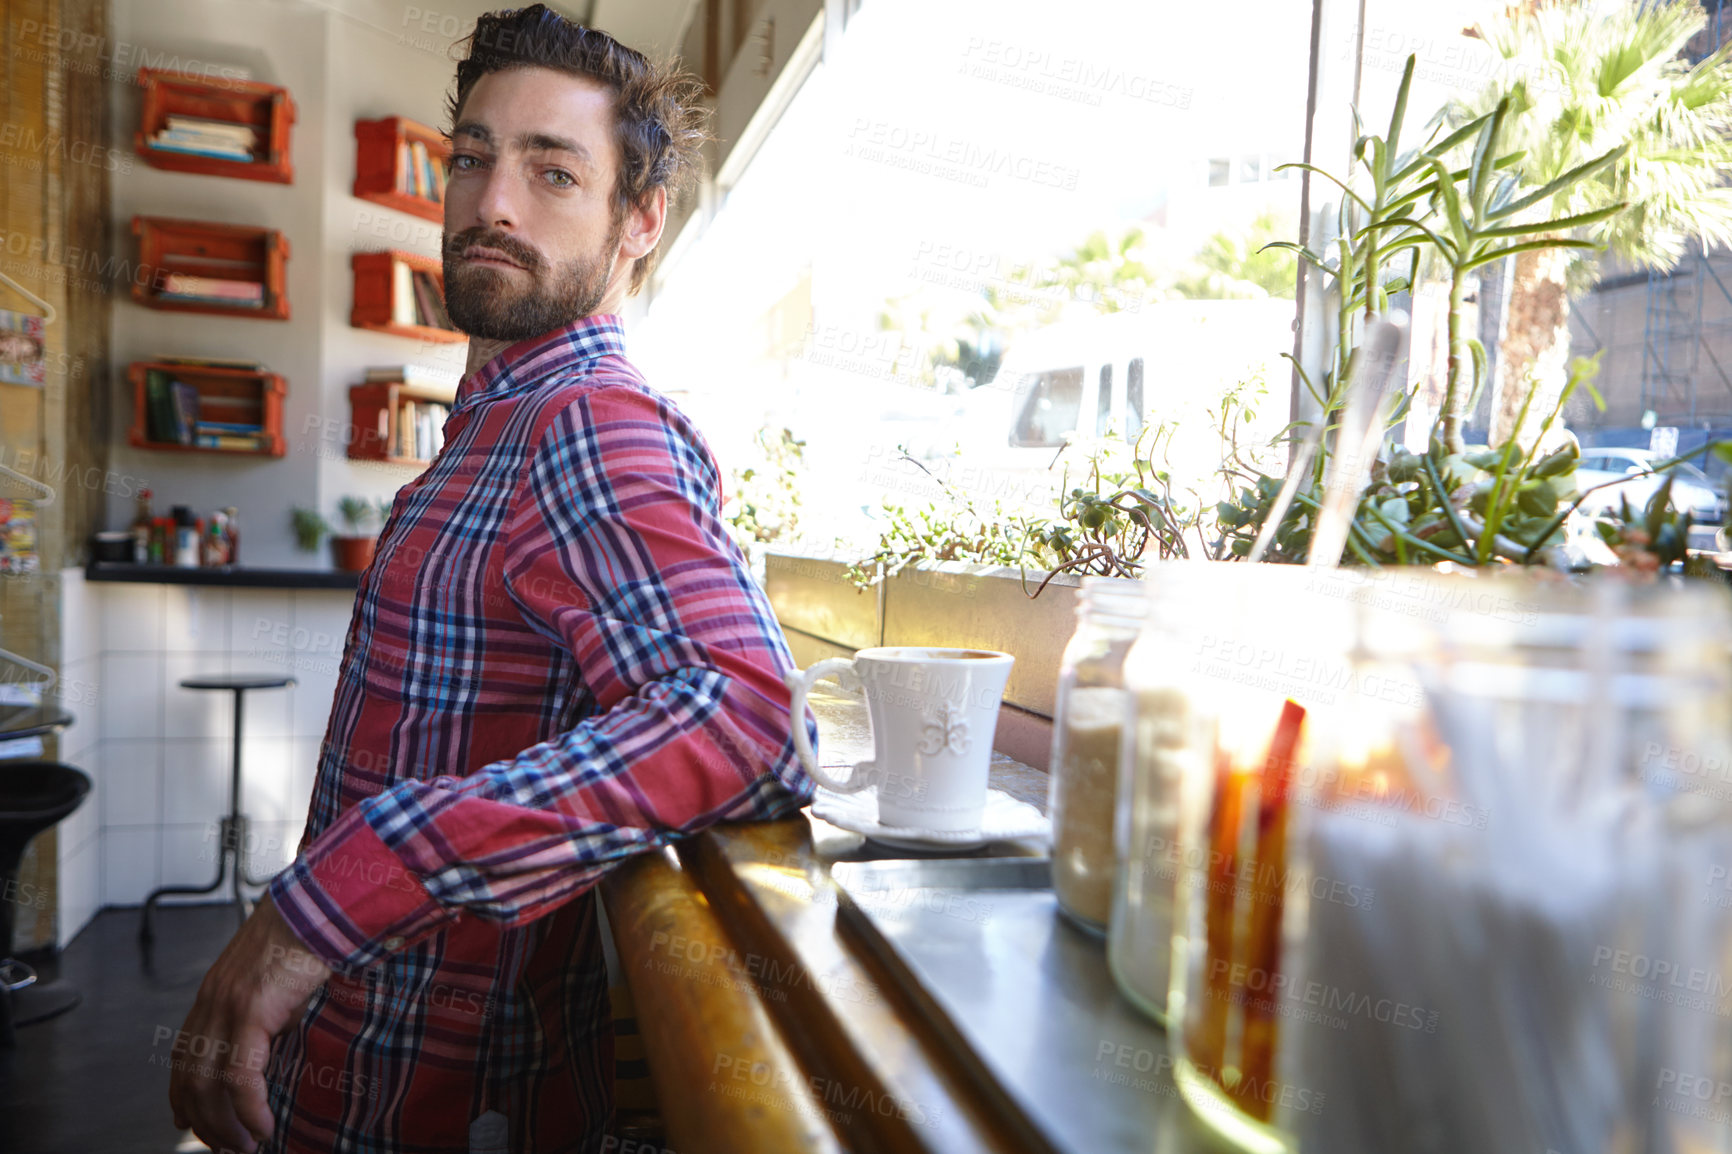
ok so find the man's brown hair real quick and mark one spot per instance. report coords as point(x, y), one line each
point(659, 119)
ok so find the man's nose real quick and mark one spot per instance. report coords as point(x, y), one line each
point(497, 206)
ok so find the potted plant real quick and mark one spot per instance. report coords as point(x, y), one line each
point(351, 550)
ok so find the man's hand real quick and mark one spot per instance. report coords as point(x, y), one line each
point(255, 991)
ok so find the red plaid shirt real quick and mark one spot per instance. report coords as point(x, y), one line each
point(558, 659)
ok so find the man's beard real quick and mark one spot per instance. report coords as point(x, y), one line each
point(486, 303)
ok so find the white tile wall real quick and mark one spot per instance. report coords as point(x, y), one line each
point(131, 783)
point(132, 707)
point(158, 755)
point(132, 617)
point(129, 865)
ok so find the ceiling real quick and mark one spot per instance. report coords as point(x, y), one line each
point(653, 27)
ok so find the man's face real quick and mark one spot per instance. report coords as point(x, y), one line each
point(532, 241)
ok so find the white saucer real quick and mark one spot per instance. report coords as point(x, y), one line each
point(1004, 817)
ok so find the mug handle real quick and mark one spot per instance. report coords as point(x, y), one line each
point(800, 682)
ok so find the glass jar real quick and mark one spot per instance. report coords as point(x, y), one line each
point(1493, 871)
point(1213, 649)
point(1090, 716)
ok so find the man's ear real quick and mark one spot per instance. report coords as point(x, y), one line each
point(643, 225)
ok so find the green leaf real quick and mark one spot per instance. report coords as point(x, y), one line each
point(1561, 224)
point(1525, 246)
point(1458, 225)
point(1354, 196)
point(1573, 177)
point(1400, 114)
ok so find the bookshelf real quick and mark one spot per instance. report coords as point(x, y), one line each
point(229, 394)
point(376, 414)
point(226, 253)
point(389, 168)
point(385, 299)
point(264, 108)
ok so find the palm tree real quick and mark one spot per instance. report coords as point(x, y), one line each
point(1584, 77)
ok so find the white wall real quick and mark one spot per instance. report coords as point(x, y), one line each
point(159, 755)
point(341, 61)
point(277, 44)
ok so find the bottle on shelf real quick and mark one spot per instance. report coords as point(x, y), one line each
point(234, 534)
point(185, 538)
point(141, 529)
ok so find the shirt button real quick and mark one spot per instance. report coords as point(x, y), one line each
point(393, 943)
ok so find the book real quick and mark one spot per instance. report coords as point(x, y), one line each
point(184, 399)
point(158, 409)
point(415, 375)
point(428, 164)
point(427, 300)
point(406, 417)
point(432, 429)
point(244, 134)
point(203, 140)
point(418, 166)
point(242, 291)
point(440, 175)
point(220, 154)
point(236, 428)
point(230, 441)
point(405, 169)
point(402, 294)
point(203, 299)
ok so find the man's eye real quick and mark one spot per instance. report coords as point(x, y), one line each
point(560, 178)
point(464, 163)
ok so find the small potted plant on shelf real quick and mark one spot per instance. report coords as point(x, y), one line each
point(351, 550)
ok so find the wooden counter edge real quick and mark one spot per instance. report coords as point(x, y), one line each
point(725, 1079)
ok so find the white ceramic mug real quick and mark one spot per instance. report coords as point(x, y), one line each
point(934, 713)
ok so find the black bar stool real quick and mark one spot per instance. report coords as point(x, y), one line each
point(33, 796)
point(234, 826)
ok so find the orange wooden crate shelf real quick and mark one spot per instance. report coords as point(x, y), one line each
point(374, 411)
point(265, 108)
point(376, 296)
point(380, 173)
point(220, 251)
point(225, 394)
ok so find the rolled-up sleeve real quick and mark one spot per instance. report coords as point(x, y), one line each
point(614, 551)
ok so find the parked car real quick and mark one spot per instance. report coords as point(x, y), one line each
point(1693, 491)
point(1060, 389)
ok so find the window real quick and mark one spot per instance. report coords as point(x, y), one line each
point(1134, 400)
point(1220, 172)
point(1250, 169)
point(1104, 403)
point(1049, 404)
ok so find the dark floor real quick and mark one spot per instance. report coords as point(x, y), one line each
point(86, 1082)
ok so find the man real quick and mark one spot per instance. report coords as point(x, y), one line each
point(557, 660)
